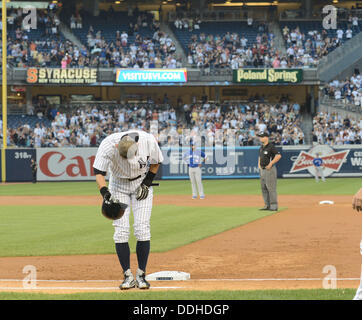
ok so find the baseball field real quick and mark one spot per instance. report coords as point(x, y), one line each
point(230, 248)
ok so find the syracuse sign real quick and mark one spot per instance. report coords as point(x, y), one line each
point(61, 76)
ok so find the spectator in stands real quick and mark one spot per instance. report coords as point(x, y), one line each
point(250, 21)
point(355, 26)
point(349, 33)
point(72, 22)
point(79, 21)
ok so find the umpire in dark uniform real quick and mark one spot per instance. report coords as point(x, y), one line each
point(268, 157)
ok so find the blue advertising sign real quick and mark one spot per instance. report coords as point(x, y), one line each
point(151, 75)
point(242, 162)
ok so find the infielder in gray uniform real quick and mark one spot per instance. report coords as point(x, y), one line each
point(319, 170)
point(132, 159)
point(194, 159)
point(268, 157)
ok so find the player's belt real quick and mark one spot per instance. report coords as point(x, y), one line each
point(152, 184)
point(133, 179)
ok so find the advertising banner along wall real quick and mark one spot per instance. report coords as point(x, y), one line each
point(74, 164)
point(337, 161)
point(221, 163)
point(268, 75)
point(61, 76)
point(62, 164)
point(68, 164)
point(151, 75)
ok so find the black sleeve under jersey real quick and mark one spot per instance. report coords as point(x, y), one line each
point(96, 171)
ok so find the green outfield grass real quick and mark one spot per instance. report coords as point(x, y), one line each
point(307, 294)
point(333, 186)
point(63, 230)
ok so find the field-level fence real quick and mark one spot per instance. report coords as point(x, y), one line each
point(76, 164)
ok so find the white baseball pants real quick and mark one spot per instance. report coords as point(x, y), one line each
point(196, 181)
point(124, 191)
point(319, 173)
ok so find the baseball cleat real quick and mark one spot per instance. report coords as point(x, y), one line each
point(128, 282)
point(264, 209)
point(141, 281)
point(202, 197)
point(273, 209)
point(194, 197)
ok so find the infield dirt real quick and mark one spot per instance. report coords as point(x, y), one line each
point(297, 242)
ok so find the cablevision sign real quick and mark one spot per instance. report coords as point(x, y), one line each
point(151, 75)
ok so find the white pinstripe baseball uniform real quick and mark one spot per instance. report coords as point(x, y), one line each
point(125, 176)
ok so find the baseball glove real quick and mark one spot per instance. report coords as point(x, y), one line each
point(113, 209)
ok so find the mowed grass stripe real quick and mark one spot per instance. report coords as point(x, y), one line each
point(68, 230)
point(304, 294)
point(333, 186)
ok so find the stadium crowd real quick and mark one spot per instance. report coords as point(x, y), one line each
point(348, 90)
point(333, 129)
point(47, 48)
point(307, 52)
point(87, 126)
point(246, 120)
point(24, 50)
point(144, 52)
point(158, 51)
point(232, 50)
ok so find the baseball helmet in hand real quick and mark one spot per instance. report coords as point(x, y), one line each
point(113, 209)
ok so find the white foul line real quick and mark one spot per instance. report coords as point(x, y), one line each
point(77, 288)
point(40, 280)
point(280, 279)
point(237, 279)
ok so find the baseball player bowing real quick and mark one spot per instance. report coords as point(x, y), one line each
point(132, 159)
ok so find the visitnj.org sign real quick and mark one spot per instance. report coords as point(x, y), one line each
point(151, 75)
point(268, 75)
point(61, 76)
